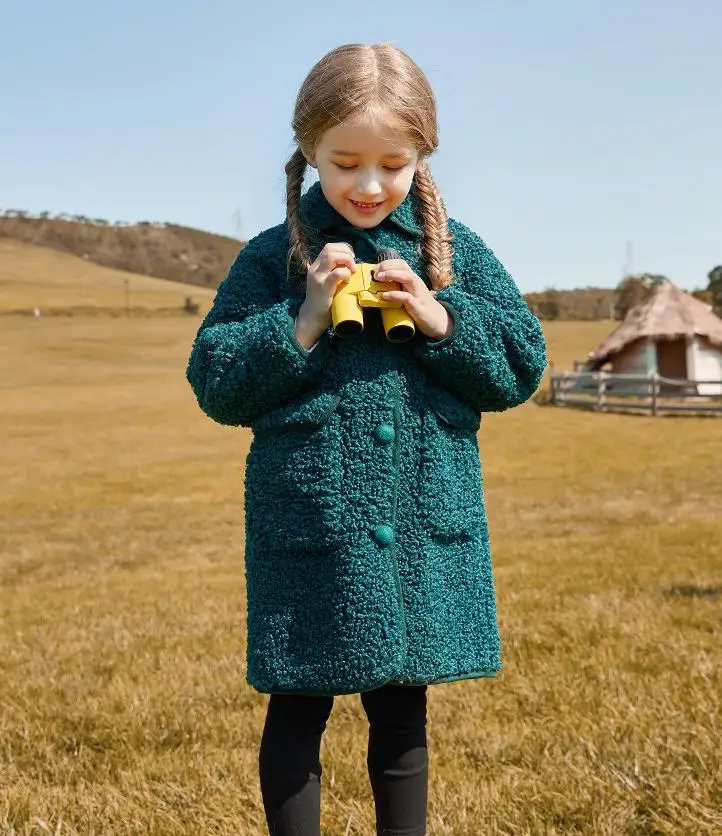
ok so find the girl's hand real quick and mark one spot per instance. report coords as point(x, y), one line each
point(431, 317)
point(335, 264)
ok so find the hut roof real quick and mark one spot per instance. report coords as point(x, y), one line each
point(667, 313)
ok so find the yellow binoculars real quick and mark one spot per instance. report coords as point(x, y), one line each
point(361, 291)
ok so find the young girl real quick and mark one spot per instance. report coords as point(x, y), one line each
point(367, 553)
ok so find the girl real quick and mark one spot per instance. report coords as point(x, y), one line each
point(367, 554)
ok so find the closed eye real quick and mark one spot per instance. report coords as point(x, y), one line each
point(351, 167)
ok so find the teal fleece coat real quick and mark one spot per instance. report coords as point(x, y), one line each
point(367, 551)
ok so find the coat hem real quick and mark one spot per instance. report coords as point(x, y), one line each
point(482, 673)
point(485, 673)
point(479, 673)
point(335, 692)
point(332, 692)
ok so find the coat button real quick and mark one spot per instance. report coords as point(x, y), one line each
point(384, 534)
point(385, 433)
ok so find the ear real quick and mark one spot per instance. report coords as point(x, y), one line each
point(309, 157)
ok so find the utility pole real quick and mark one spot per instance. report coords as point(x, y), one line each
point(628, 260)
point(236, 219)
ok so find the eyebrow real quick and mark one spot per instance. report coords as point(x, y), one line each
point(354, 154)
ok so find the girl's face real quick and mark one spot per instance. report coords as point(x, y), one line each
point(366, 166)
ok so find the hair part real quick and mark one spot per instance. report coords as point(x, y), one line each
point(357, 79)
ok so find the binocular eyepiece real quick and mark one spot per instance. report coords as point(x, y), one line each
point(361, 291)
point(388, 254)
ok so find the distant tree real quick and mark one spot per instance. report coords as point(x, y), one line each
point(655, 279)
point(630, 292)
point(715, 288)
point(582, 304)
point(547, 304)
point(44, 216)
point(703, 296)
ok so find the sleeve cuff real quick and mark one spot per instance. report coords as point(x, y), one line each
point(455, 325)
point(296, 338)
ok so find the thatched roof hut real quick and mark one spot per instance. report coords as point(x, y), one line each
point(671, 333)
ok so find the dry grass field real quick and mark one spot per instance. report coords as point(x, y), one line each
point(32, 276)
point(123, 703)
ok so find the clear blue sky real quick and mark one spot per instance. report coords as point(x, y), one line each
point(568, 127)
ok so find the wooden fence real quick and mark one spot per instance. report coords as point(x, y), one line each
point(652, 394)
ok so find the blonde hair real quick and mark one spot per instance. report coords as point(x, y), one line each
point(359, 79)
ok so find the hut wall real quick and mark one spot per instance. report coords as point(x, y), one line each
point(638, 358)
point(707, 366)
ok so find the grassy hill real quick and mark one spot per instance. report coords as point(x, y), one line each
point(193, 256)
point(165, 251)
point(32, 276)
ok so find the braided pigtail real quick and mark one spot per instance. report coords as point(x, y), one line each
point(298, 241)
point(437, 241)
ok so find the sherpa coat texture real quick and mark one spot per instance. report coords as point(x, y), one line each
point(367, 552)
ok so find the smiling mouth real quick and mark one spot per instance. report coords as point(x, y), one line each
point(361, 205)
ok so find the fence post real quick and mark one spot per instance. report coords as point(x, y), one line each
point(601, 390)
point(552, 385)
point(655, 392)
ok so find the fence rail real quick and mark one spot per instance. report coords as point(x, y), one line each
point(652, 394)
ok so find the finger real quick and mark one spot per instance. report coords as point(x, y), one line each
point(399, 296)
point(393, 264)
point(339, 249)
point(403, 277)
point(339, 259)
point(339, 274)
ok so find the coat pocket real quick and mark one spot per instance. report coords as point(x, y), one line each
point(309, 411)
point(294, 477)
point(451, 410)
point(451, 501)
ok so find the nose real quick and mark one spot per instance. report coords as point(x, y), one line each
point(368, 183)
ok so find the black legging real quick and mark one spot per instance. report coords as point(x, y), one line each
point(290, 769)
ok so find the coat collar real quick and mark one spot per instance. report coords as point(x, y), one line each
point(318, 213)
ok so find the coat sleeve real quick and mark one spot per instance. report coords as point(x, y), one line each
point(246, 359)
point(495, 356)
